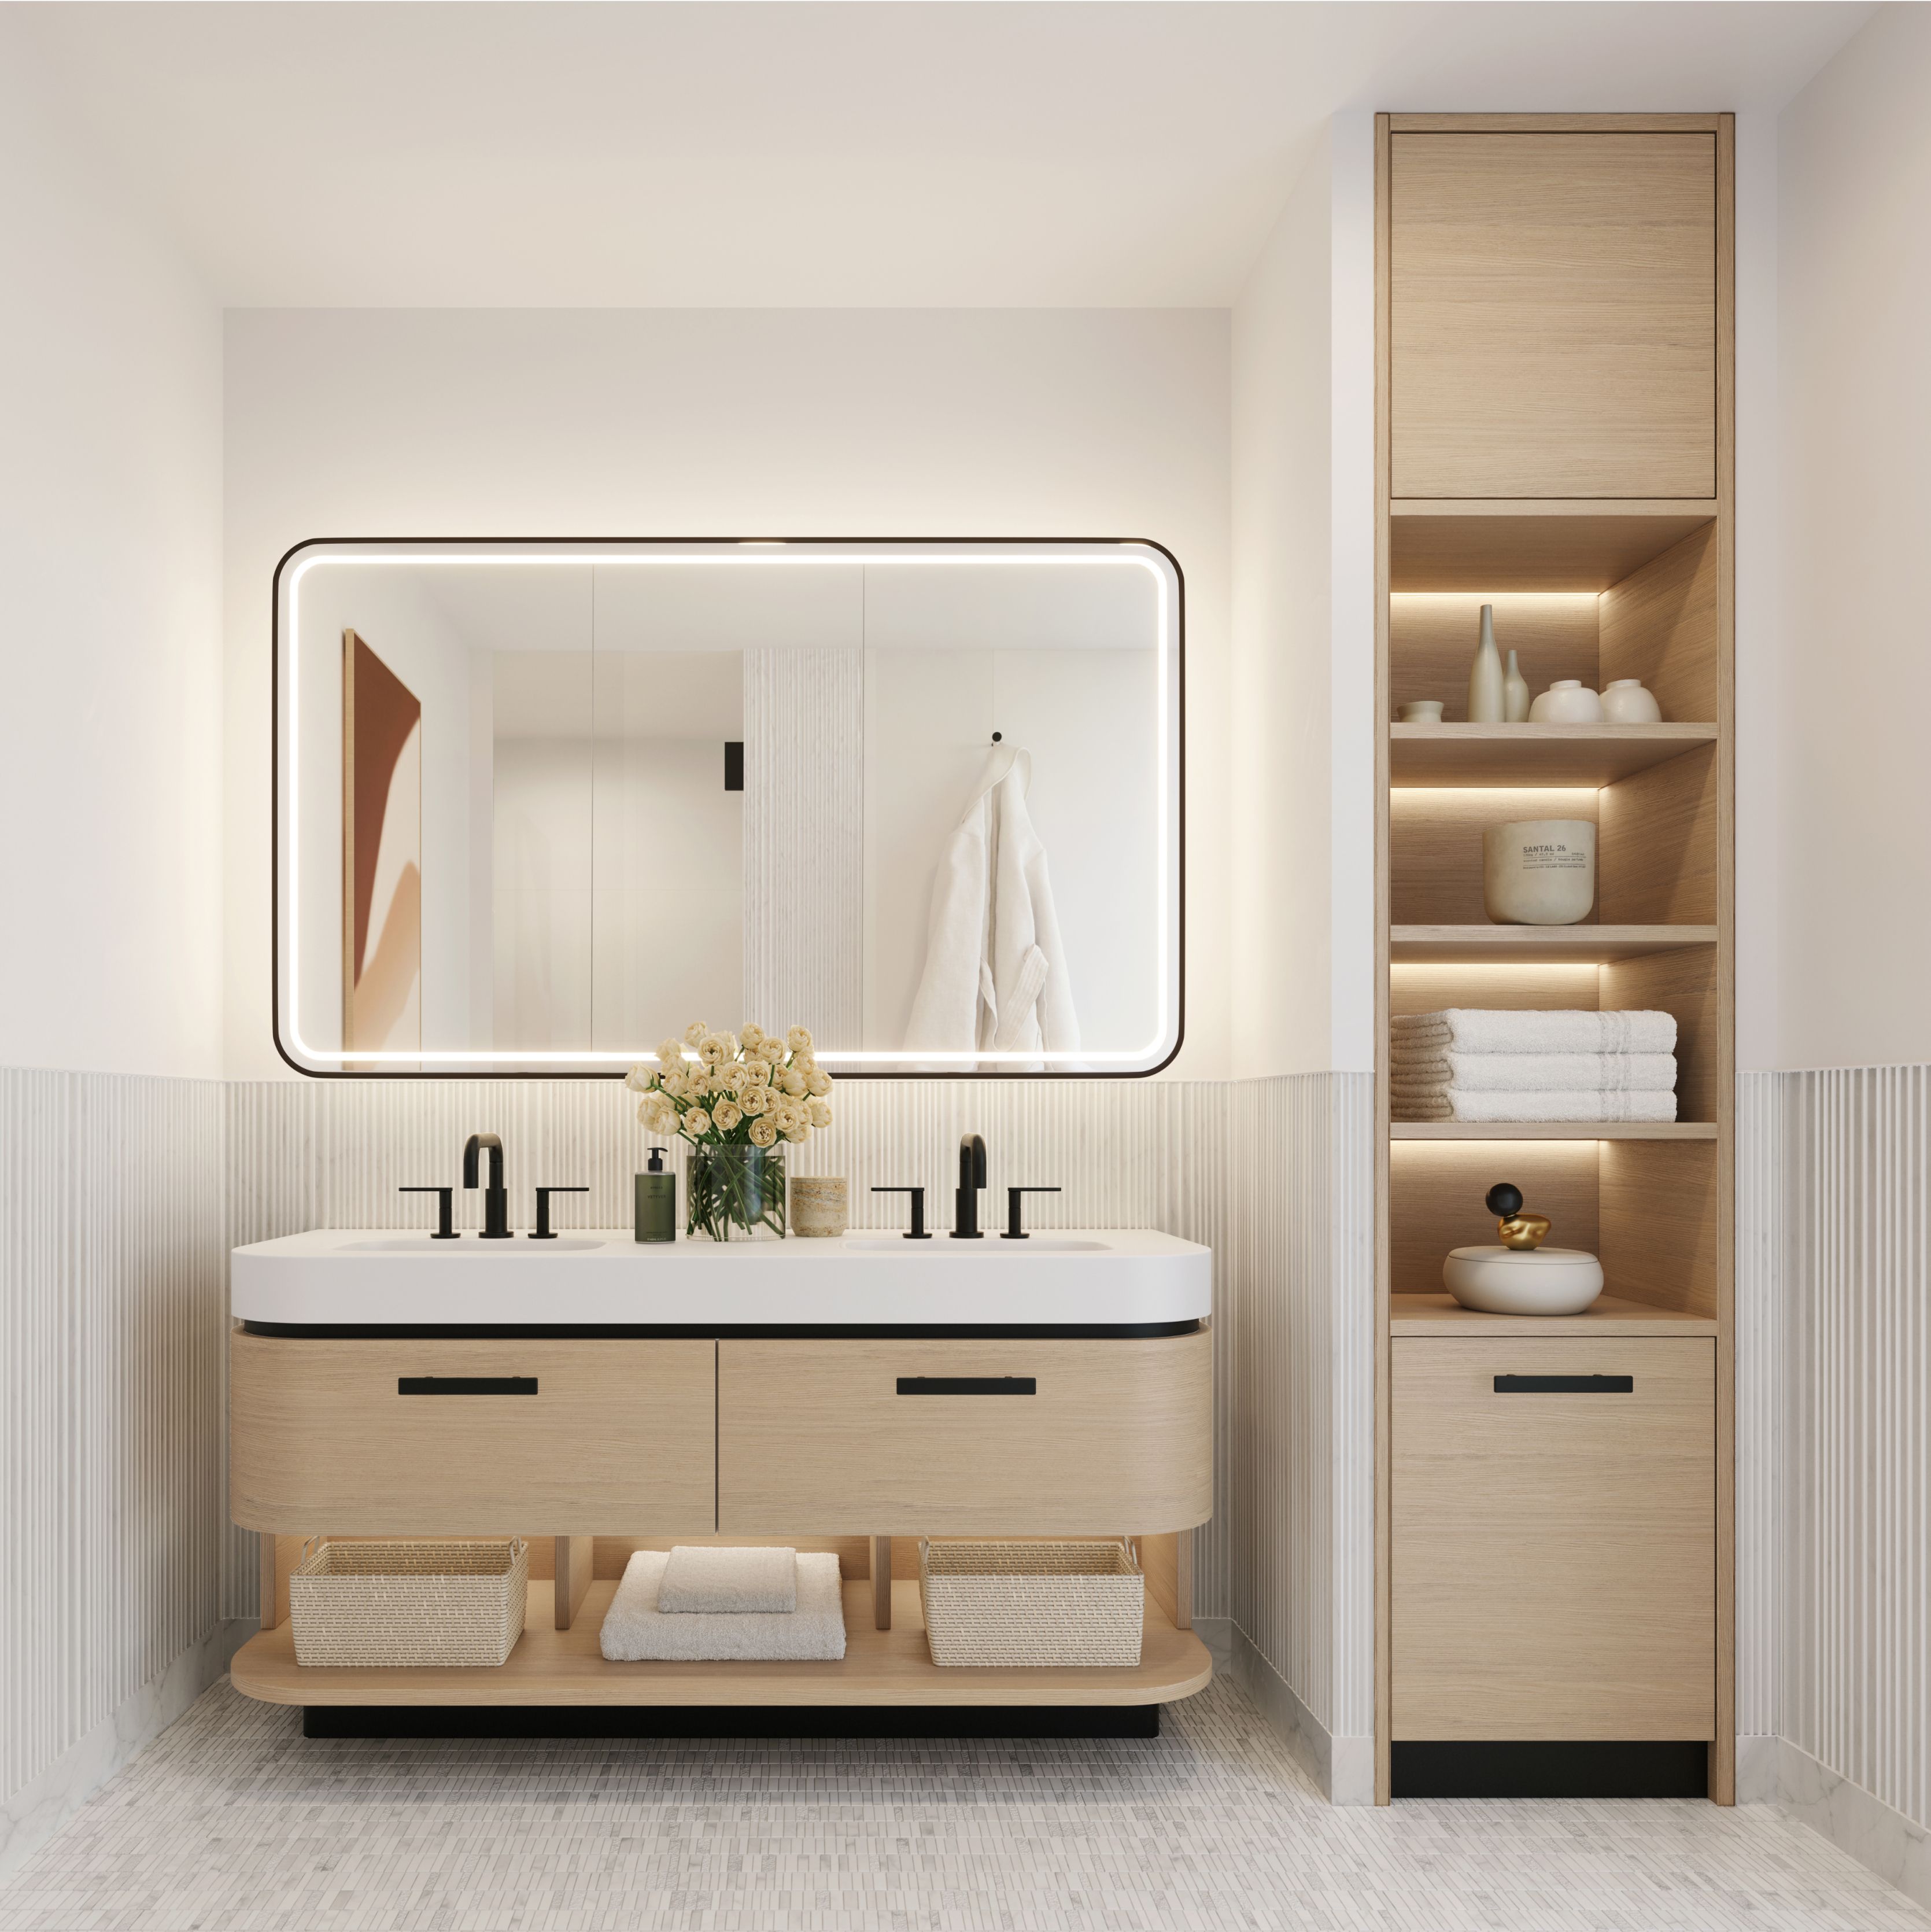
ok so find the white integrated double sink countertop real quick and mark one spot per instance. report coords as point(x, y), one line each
point(375, 1277)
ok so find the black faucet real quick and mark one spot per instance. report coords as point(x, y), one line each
point(972, 1178)
point(495, 1196)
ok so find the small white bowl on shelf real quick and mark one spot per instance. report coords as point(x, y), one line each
point(1497, 1280)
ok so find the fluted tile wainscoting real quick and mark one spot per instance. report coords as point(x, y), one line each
point(113, 1310)
point(1834, 1456)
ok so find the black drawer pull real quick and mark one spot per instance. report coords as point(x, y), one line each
point(968, 1385)
point(1565, 1385)
point(466, 1385)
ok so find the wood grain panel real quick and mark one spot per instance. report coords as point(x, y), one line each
point(1659, 624)
point(1432, 641)
point(1554, 1555)
point(1553, 314)
point(1119, 1432)
point(1553, 1560)
point(1435, 1193)
point(1434, 846)
point(570, 1564)
point(1685, 984)
point(1518, 545)
point(1607, 1315)
point(1656, 851)
point(1425, 988)
point(620, 1434)
point(1658, 1206)
point(550, 1665)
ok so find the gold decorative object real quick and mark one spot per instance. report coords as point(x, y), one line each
point(1517, 1229)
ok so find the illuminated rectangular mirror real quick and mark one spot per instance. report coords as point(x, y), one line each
point(539, 805)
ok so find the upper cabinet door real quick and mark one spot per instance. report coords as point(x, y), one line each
point(1553, 315)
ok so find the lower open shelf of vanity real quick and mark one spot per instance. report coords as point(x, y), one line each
point(550, 1666)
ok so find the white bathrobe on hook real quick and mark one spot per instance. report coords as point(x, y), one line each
point(995, 977)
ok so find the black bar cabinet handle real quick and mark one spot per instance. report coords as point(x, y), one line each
point(1565, 1385)
point(968, 1385)
point(466, 1385)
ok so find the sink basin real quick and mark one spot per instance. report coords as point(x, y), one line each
point(385, 1278)
point(428, 1244)
point(1037, 1244)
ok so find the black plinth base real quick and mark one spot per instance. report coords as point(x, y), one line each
point(1550, 1770)
point(730, 1720)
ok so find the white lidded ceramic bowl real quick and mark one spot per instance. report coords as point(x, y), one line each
point(1626, 700)
point(1567, 701)
point(1523, 1281)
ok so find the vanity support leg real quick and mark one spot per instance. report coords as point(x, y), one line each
point(573, 1557)
point(1183, 1580)
point(881, 1582)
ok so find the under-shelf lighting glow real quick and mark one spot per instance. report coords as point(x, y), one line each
point(782, 553)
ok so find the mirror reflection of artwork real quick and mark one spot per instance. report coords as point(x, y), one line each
point(382, 855)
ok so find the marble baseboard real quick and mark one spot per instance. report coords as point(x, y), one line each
point(32, 1814)
point(1758, 1754)
point(1880, 1838)
point(1343, 1767)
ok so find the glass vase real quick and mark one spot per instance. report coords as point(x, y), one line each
point(736, 1194)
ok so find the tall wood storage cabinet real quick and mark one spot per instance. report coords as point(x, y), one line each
point(1554, 437)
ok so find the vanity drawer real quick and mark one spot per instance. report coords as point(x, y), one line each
point(965, 1438)
point(557, 1437)
point(1554, 1538)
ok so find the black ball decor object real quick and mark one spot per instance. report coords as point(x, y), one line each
point(1503, 1199)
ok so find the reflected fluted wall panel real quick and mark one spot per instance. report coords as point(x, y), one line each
point(112, 1321)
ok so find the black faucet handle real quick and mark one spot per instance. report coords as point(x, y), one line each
point(1014, 1232)
point(543, 1231)
point(917, 1231)
point(445, 1214)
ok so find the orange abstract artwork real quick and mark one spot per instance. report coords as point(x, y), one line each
point(382, 856)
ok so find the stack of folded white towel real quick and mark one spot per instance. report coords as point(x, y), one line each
point(1474, 1064)
point(696, 1605)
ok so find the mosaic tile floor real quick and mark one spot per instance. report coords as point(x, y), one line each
point(231, 1821)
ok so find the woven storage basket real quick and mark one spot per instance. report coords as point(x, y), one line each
point(1043, 1603)
point(409, 1603)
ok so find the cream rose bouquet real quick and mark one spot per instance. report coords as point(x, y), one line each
point(739, 1099)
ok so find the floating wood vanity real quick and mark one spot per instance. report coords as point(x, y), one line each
point(597, 1438)
point(1555, 436)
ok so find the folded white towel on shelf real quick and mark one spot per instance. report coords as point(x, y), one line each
point(1414, 1068)
point(1495, 1029)
point(1455, 1103)
point(734, 1583)
point(638, 1631)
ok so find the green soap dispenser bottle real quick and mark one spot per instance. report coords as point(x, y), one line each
point(656, 1201)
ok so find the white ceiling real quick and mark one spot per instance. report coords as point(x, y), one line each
point(996, 153)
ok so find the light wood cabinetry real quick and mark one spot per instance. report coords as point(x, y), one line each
point(1553, 314)
point(1555, 405)
point(613, 1435)
point(963, 1437)
point(1555, 1571)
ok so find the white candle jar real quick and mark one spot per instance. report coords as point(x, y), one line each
point(1538, 872)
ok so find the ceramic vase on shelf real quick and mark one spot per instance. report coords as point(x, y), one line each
point(1567, 701)
point(1625, 701)
point(1515, 694)
point(1485, 703)
point(735, 1193)
point(1538, 872)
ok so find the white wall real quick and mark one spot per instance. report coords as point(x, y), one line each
point(1854, 268)
point(677, 422)
point(1302, 804)
point(110, 477)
